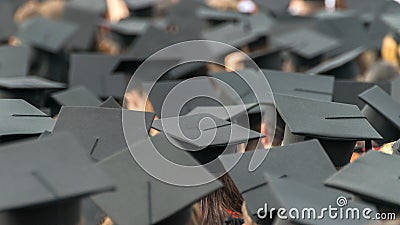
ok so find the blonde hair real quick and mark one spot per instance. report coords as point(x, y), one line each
point(390, 50)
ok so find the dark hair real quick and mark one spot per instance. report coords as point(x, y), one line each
point(216, 206)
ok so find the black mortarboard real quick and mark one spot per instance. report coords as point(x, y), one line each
point(356, 178)
point(52, 176)
point(343, 66)
point(14, 61)
point(110, 102)
point(135, 187)
point(30, 88)
point(300, 85)
point(217, 16)
point(382, 112)
point(95, 71)
point(212, 135)
point(76, 96)
point(48, 35)
point(347, 91)
point(395, 89)
point(338, 126)
point(129, 27)
point(367, 8)
point(306, 44)
point(86, 15)
point(269, 59)
point(100, 130)
point(179, 92)
point(21, 119)
point(346, 27)
point(235, 34)
point(7, 24)
point(275, 6)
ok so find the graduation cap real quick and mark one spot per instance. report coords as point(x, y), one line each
point(95, 71)
point(301, 85)
point(367, 8)
point(85, 15)
point(377, 30)
point(307, 45)
point(216, 16)
point(148, 195)
point(382, 112)
point(266, 59)
point(284, 161)
point(7, 25)
point(178, 92)
point(48, 35)
point(338, 126)
point(52, 176)
point(346, 27)
point(347, 91)
point(129, 27)
point(235, 34)
point(206, 132)
point(355, 178)
point(20, 119)
point(76, 96)
point(100, 130)
point(110, 102)
point(343, 66)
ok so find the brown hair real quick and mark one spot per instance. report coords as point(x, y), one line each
point(217, 205)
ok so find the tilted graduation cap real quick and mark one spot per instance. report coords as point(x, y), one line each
point(21, 119)
point(288, 161)
point(110, 102)
point(207, 132)
point(100, 130)
point(48, 35)
point(129, 27)
point(7, 24)
point(382, 112)
point(76, 96)
point(300, 85)
point(346, 27)
point(366, 8)
point(338, 126)
point(307, 45)
point(343, 66)
point(153, 201)
point(347, 91)
point(14, 61)
point(95, 71)
point(356, 178)
point(52, 176)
